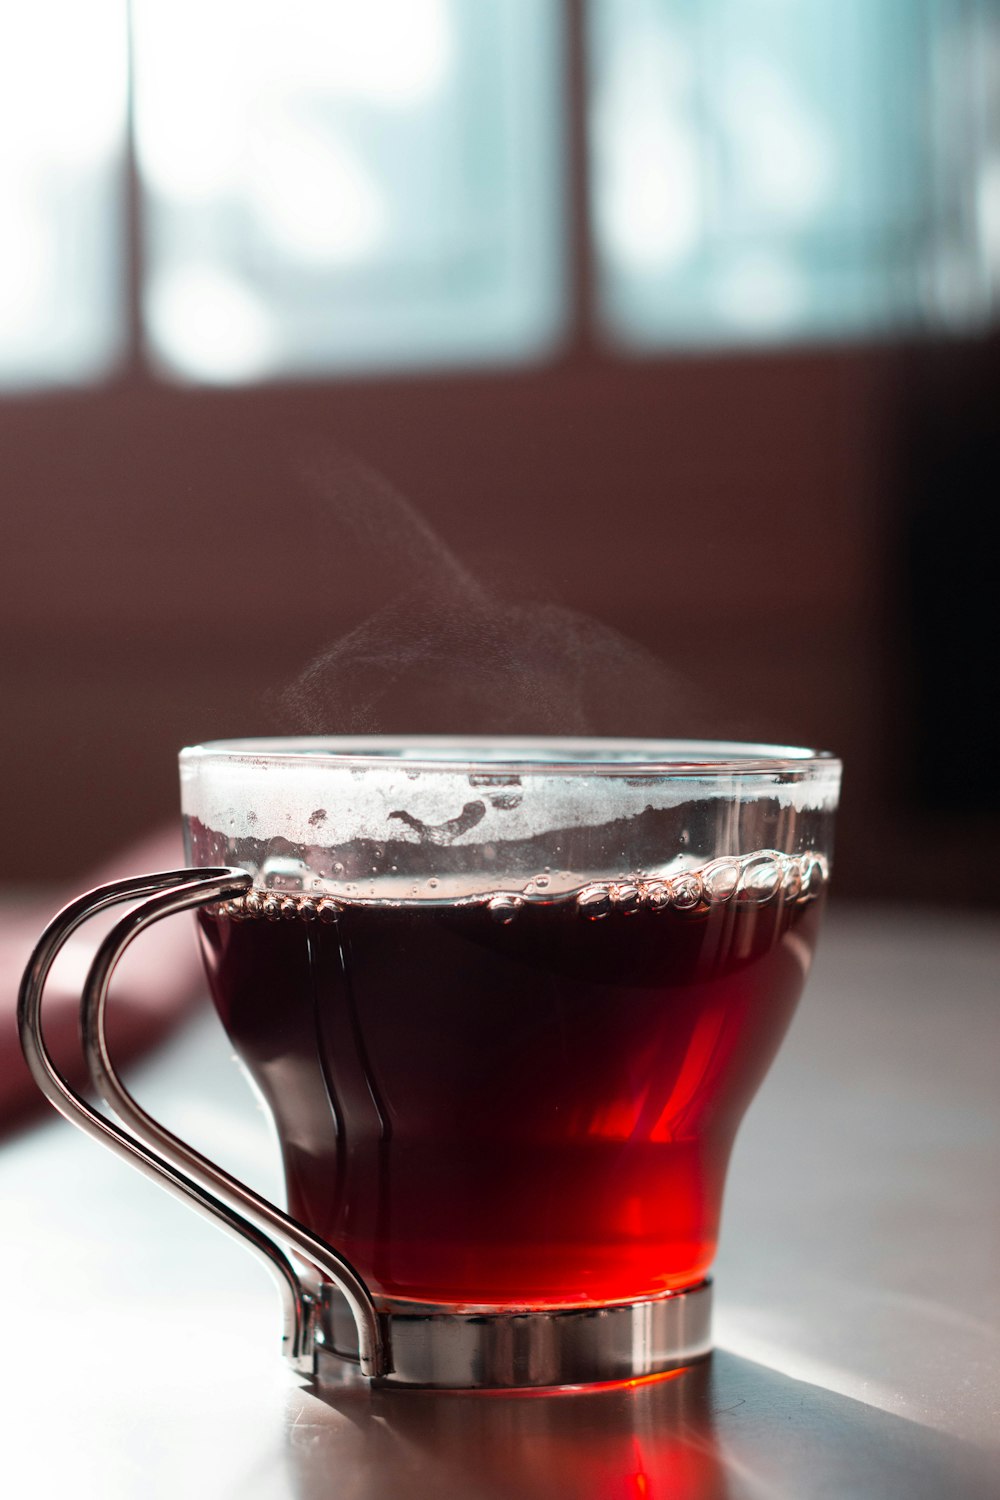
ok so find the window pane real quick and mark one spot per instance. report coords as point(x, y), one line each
point(337, 185)
point(62, 123)
point(776, 168)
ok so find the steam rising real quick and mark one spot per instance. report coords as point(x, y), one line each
point(453, 653)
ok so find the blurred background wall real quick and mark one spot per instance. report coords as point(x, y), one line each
point(686, 309)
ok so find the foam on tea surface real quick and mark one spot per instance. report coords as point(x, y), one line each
point(354, 818)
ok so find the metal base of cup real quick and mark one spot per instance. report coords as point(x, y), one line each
point(522, 1350)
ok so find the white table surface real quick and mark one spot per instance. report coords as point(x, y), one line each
point(857, 1307)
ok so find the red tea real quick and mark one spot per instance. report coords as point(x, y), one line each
point(513, 1106)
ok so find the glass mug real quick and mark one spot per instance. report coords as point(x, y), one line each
point(507, 1001)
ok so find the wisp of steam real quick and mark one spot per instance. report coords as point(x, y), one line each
point(457, 651)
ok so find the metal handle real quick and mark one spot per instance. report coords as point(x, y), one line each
point(154, 1150)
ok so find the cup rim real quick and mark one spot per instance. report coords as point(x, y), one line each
point(521, 755)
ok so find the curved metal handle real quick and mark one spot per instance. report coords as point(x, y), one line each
point(181, 1169)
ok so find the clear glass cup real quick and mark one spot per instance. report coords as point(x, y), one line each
point(507, 1001)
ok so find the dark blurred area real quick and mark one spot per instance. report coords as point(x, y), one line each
point(688, 325)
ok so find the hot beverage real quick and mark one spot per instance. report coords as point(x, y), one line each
point(517, 1103)
point(507, 1001)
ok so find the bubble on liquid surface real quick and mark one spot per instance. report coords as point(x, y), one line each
point(720, 879)
point(752, 879)
point(685, 891)
point(760, 877)
point(656, 895)
point(626, 899)
point(504, 908)
point(594, 902)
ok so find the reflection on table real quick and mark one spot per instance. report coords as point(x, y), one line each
point(726, 1429)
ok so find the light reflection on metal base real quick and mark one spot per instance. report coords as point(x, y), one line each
point(523, 1350)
